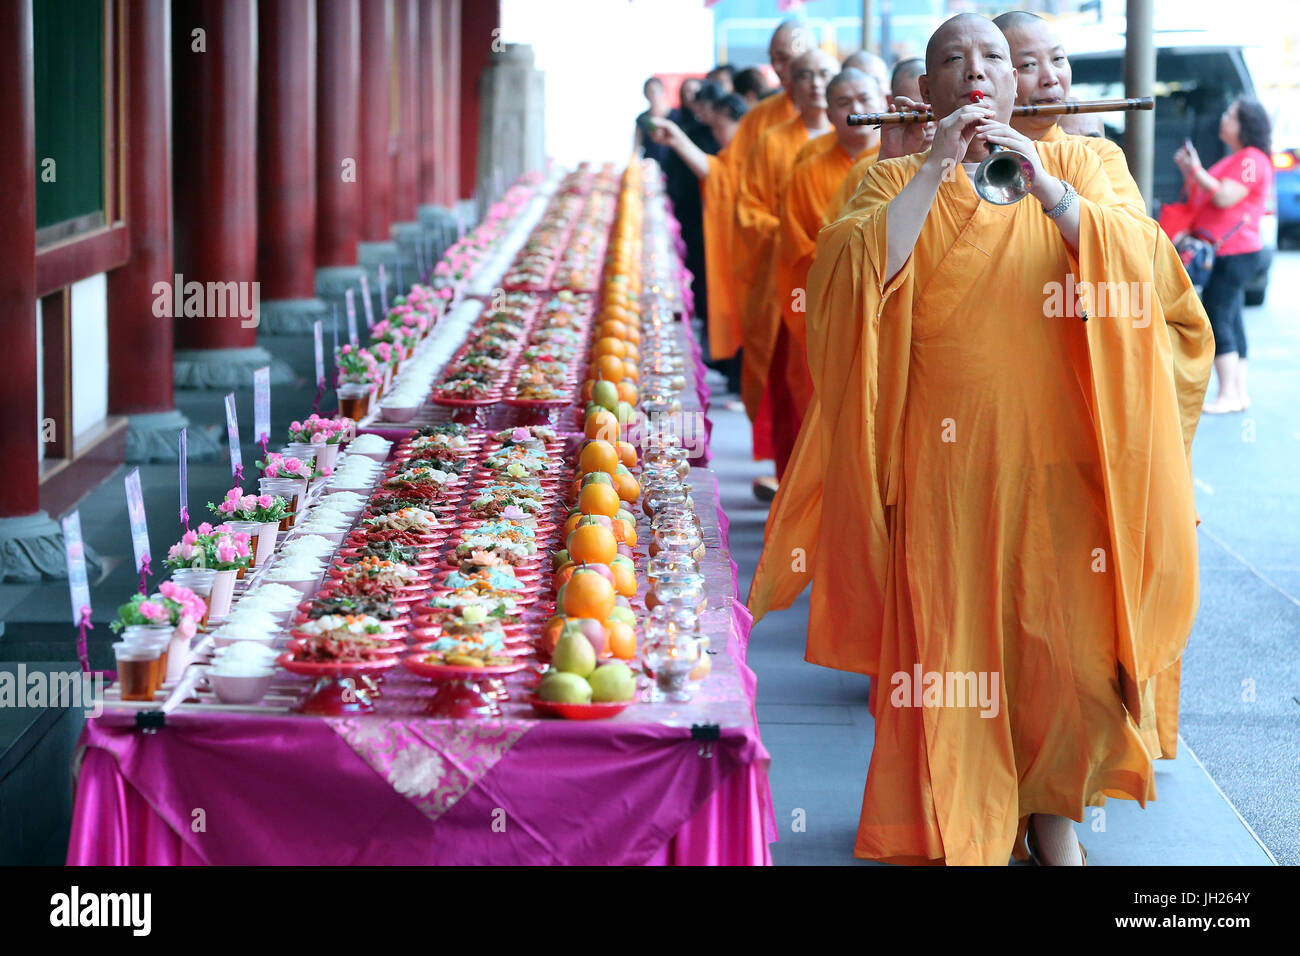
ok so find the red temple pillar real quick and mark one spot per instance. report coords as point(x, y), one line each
point(139, 342)
point(338, 134)
point(214, 55)
point(19, 449)
point(286, 174)
point(406, 157)
point(430, 65)
point(449, 129)
point(374, 169)
point(479, 32)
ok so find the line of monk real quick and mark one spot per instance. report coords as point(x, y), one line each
point(974, 481)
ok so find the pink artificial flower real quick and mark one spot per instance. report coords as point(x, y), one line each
point(265, 501)
point(318, 438)
point(291, 464)
point(234, 493)
point(295, 426)
point(223, 529)
point(272, 471)
point(226, 507)
point(241, 548)
point(248, 502)
point(190, 537)
point(188, 625)
point(205, 528)
point(153, 611)
point(226, 553)
point(326, 471)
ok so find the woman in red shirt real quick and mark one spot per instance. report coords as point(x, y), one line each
point(1228, 202)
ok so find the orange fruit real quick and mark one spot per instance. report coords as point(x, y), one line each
point(598, 499)
point(593, 544)
point(572, 523)
point(631, 352)
point(611, 367)
point(589, 595)
point(627, 454)
point(598, 455)
point(613, 327)
point(562, 576)
point(627, 393)
point(602, 425)
point(629, 533)
point(624, 577)
point(611, 346)
point(626, 488)
point(620, 638)
point(587, 386)
point(551, 634)
point(629, 371)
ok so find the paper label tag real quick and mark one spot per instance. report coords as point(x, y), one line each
point(352, 320)
point(185, 472)
point(262, 403)
point(318, 339)
point(366, 301)
point(139, 524)
point(75, 554)
point(232, 433)
point(383, 287)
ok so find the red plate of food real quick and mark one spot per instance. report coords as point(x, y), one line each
point(550, 708)
point(416, 664)
point(337, 668)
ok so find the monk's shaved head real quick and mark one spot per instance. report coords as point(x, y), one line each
point(1016, 19)
point(852, 91)
point(967, 59)
point(810, 76)
point(851, 75)
point(789, 40)
point(1042, 69)
point(906, 73)
point(870, 64)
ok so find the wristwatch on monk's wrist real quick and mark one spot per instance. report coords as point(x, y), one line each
point(1065, 202)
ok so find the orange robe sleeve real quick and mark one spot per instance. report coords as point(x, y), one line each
point(718, 195)
point(849, 186)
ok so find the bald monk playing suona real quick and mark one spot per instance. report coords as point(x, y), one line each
point(819, 169)
point(758, 207)
point(1043, 78)
point(993, 502)
point(895, 140)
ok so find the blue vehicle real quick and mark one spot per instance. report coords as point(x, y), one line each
point(1286, 176)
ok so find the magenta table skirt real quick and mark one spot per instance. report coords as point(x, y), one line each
point(113, 825)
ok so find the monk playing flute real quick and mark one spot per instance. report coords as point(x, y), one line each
point(991, 494)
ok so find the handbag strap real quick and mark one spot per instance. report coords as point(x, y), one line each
point(1224, 238)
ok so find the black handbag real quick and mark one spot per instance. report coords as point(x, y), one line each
point(1198, 249)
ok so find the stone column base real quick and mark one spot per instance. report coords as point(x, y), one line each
point(407, 236)
point(439, 224)
point(332, 283)
point(227, 368)
point(155, 436)
point(31, 550)
point(293, 316)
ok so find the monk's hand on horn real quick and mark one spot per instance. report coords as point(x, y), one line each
point(953, 135)
point(1046, 189)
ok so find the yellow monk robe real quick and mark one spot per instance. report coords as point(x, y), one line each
point(819, 171)
point(758, 207)
point(848, 186)
point(718, 195)
point(1006, 494)
point(1162, 740)
point(1112, 161)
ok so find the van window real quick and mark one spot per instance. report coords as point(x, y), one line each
point(1193, 88)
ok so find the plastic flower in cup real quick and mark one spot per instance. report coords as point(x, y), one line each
point(154, 611)
point(248, 503)
point(205, 528)
point(265, 501)
point(227, 507)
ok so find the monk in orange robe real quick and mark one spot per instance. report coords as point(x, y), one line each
point(1043, 77)
point(718, 192)
point(992, 497)
point(894, 140)
point(758, 205)
point(819, 169)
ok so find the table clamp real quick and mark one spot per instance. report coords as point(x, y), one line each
point(706, 734)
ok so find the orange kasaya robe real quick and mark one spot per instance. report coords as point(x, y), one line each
point(848, 186)
point(758, 207)
point(986, 487)
point(818, 173)
point(718, 196)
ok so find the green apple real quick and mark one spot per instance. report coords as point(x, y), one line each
point(605, 394)
point(564, 688)
point(620, 559)
point(613, 681)
point(626, 413)
point(597, 478)
point(574, 653)
point(623, 614)
point(559, 559)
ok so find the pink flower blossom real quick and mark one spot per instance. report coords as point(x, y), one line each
point(226, 507)
point(189, 537)
point(188, 625)
point(266, 501)
point(226, 553)
point(318, 438)
point(291, 464)
point(326, 470)
point(295, 426)
point(205, 528)
point(248, 502)
point(153, 611)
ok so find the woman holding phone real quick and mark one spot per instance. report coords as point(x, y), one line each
point(1228, 203)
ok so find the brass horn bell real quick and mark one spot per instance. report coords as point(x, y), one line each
point(1004, 177)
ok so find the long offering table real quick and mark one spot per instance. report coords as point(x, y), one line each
point(659, 783)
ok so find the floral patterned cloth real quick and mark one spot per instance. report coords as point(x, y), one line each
point(431, 763)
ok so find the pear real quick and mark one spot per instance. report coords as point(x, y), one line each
point(614, 681)
point(624, 614)
point(564, 688)
point(574, 653)
point(597, 478)
point(605, 394)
